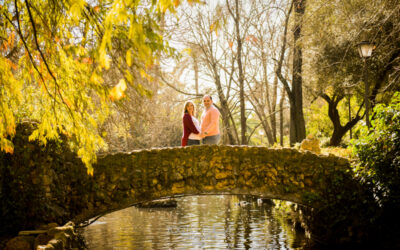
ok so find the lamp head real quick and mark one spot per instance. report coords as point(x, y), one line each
point(365, 49)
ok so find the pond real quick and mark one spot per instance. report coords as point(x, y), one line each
point(198, 222)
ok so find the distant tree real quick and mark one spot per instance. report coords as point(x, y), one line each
point(220, 35)
point(295, 91)
point(261, 46)
point(235, 14)
point(202, 38)
point(336, 69)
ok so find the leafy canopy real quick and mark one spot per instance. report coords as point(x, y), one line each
point(53, 57)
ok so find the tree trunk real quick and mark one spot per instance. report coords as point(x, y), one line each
point(281, 116)
point(225, 111)
point(297, 123)
point(264, 122)
point(243, 123)
point(196, 73)
point(236, 18)
point(273, 111)
point(295, 95)
point(269, 128)
point(338, 130)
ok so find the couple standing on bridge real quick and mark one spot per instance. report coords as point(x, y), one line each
point(208, 131)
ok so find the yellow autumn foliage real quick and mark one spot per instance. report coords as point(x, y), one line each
point(52, 71)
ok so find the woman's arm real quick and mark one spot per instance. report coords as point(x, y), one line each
point(188, 123)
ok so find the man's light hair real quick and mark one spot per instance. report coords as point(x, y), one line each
point(208, 96)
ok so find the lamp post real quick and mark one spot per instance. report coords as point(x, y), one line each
point(365, 49)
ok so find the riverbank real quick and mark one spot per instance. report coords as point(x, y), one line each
point(49, 236)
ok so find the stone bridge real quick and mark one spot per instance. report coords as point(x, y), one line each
point(42, 184)
point(122, 179)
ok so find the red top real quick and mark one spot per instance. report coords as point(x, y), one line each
point(188, 127)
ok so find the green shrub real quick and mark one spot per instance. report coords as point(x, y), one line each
point(378, 152)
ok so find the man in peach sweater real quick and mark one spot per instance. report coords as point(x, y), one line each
point(210, 122)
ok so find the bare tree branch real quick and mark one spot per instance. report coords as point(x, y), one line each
point(282, 55)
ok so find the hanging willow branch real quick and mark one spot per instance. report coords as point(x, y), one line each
point(56, 85)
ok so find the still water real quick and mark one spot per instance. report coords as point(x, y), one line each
point(198, 222)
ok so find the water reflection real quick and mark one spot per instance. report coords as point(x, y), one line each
point(212, 222)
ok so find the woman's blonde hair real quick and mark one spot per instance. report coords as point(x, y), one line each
point(185, 111)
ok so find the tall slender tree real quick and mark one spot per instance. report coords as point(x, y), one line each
point(234, 13)
point(295, 92)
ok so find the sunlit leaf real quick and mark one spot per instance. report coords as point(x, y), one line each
point(117, 92)
point(187, 50)
point(176, 3)
point(129, 58)
point(7, 146)
point(76, 9)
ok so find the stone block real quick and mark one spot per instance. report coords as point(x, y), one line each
point(222, 175)
point(176, 177)
point(178, 187)
point(222, 185)
point(311, 144)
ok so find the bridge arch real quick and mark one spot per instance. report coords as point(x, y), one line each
point(123, 179)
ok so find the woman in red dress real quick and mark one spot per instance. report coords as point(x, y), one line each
point(191, 126)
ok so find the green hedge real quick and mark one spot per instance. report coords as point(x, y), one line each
point(378, 152)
